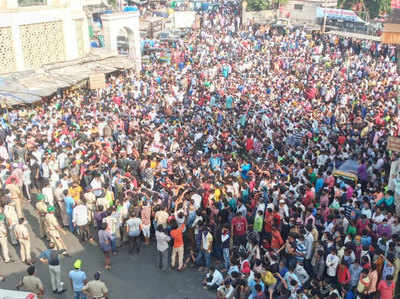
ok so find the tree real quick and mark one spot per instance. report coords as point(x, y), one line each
point(257, 5)
point(373, 7)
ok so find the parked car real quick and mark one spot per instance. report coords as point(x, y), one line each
point(166, 36)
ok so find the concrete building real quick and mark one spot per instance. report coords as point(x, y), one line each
point(45, 32)
point(304, 11)
point(35, 33)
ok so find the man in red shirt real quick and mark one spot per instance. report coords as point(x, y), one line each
point(386, 287)
point(239, 226)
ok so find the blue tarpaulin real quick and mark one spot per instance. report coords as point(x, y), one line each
point(130, 8)
point(340, 14)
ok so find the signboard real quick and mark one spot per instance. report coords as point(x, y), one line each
point(394, 174)
point(393, 144)
point(336, 13)
point(97, 81)
point(395, 4)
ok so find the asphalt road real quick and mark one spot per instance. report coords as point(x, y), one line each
point(131, 276)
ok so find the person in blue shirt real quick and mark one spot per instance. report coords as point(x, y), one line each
point(69, 206)
point(253, 282)
point(350, 294)
point(77, 279)
point(387, 202)
point(319, 183)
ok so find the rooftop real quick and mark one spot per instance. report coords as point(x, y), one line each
point(30, 86)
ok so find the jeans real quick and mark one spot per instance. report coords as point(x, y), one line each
point(70, 224)
point(206, 255)
point(227, 259)
point(79, 295)
point(113, 244)
point(162, 261)
point(134, 243)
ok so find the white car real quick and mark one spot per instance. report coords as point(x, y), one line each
point(11, 294)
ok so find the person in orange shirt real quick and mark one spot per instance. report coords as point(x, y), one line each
point(177, 236)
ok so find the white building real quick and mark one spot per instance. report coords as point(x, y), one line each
point(35, 35)
point(304, 11)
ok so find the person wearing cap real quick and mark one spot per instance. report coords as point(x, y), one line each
point(41, 208)
point(31, 282)
point(96, 289)
point(24, 240)
point(3, 239)
point(54, 229)
point(78, 280)
point(50, 257)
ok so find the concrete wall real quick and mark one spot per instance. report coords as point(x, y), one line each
point(113, 23)
point(259, 17)
point(184, 19)
point(44, 35)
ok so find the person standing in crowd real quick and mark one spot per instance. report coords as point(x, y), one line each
point(41, 208)
point(31, 282)
point(105, 239)
point(178, 247)
point(54, 229)
point(4, 240)
point(24, 240)
point(12, 221)
point(69, 204)
point(51, 257)
point(134, 229)
point(80, 221)
point(78, 280)
point(162, 248)
point(96, 288)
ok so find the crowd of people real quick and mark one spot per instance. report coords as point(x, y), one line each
point(226, 157)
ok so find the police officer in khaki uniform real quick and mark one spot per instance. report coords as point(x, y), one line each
point(3, 239)
point(54, 229)
point(12, 221)
point(24, 240)
point(96, 289)
point(31, 283)
point(15, 195)
point(41, 207)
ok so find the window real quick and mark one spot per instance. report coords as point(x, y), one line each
point(298, 6)
point(31, 2)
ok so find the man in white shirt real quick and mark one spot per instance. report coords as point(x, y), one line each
point(213, 279)
point(162, 248)
point(332, 261)
point(226, 291)
point(80, 220)
point(48, 193)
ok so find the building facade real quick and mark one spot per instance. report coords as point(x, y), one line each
point(34, 33)
point(304, 11)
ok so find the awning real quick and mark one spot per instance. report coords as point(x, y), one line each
point(29, 87)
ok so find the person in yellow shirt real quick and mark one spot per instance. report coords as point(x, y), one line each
point(75, 191)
